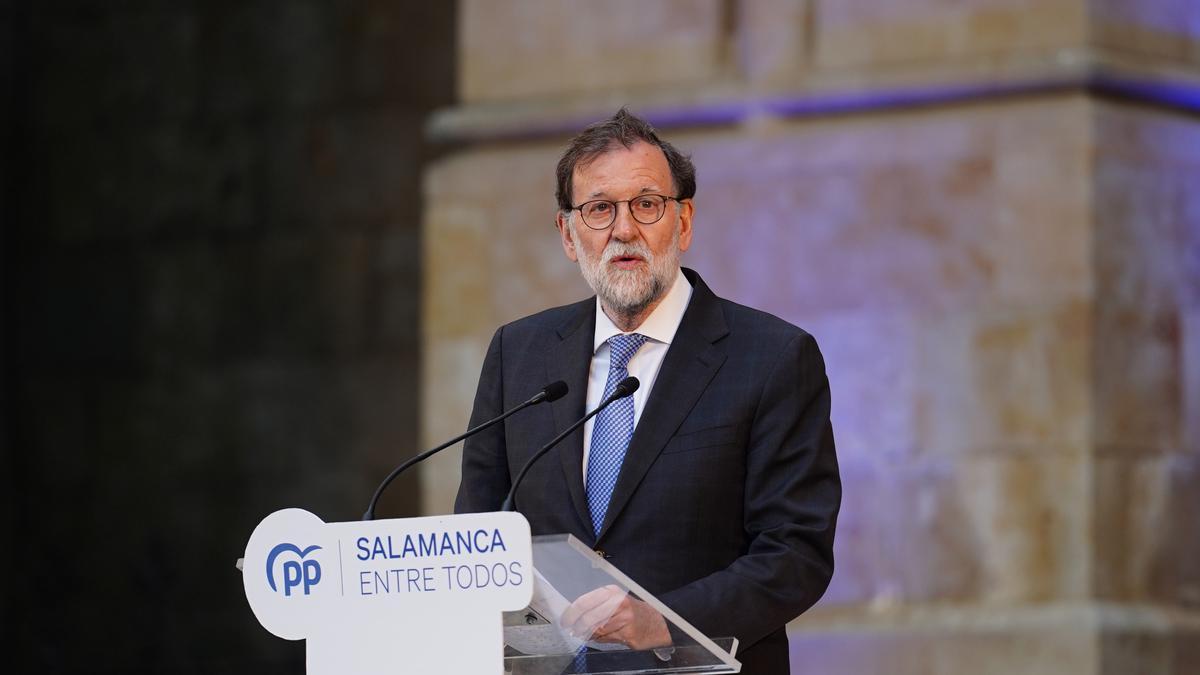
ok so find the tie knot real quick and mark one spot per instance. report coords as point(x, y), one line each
point(623, 347)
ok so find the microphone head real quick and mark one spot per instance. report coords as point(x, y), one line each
point(626, 387)
point(555, 391)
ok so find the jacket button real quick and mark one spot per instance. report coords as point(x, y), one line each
point(600, 552)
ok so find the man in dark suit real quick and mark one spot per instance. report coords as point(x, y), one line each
point(716, 485)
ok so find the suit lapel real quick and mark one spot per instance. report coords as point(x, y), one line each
point(690, 364)
point(570, 361)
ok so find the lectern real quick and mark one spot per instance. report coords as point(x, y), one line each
point(463, 594)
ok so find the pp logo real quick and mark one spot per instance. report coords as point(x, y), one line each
point(295, 572)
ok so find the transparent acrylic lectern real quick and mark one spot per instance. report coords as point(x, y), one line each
point(536, 642)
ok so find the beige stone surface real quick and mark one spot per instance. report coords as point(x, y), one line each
point(450, 369)
point(861, 33)
point(1076, 637)
point(1191, 375)
point(1165, 29)
point(993, 530)
point(774, 38)
point(1146, 529)
point(528, 48)
point(938, 209)
point(1147, 272)
point(1034, 645)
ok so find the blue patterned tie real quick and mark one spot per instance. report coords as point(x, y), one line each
point(612, 431)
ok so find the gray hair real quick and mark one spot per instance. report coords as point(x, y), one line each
point(627, 129)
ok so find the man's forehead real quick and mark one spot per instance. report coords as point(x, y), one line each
point(617, 148)
point(642, 164)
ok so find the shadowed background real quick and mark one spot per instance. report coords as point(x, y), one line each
point(211, 273)
point(253, 253)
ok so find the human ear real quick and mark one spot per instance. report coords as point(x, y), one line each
point(686, 212)
point(562, 222)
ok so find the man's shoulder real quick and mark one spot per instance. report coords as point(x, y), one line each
point(763, 328)
point(555, 319)
point(754, 328)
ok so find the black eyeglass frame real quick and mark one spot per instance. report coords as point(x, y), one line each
point(626, 202)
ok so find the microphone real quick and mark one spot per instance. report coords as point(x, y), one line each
point(551, 392)
point(624, 388)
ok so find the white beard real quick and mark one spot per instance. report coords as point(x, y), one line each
point(629, 292)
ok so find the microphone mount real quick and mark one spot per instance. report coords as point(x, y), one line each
point(624, 388)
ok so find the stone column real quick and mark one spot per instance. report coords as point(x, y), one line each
point(987, 212)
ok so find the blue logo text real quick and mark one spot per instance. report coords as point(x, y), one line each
point(295, 572)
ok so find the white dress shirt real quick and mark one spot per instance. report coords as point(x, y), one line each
point(660, 327)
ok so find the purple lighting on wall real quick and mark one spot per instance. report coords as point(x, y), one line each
point(1184, 96)
point(1180, 95)
point(840, 102)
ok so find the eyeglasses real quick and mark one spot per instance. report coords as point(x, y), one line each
point(599, 214)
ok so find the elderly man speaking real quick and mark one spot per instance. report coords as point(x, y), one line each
point(715, 486)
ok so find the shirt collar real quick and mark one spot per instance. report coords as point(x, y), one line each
point(662, 323)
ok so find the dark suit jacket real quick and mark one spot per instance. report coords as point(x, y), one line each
point(726, 503)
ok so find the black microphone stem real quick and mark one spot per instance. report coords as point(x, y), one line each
point(508, 501)
point(549, 393)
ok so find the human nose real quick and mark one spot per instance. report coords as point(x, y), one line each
point(624, 227)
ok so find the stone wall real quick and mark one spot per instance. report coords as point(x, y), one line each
point(982, 211)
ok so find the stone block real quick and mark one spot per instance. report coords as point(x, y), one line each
point(1166, 29)
point(869, 33)
point(490, 218)
point(1185, 651)
point(456, 240)
point(1058, 638)
point(774, 38)
point(1146, 533)
point(933, 211)
point(1042, 218)
point(890, 511)
point(928, 384)
point(997, 531)
point(947, 642)
point(1158, 644)
point(450, 372)
point(872, 361)
point(1135, 134)
point(1026, 387)
point(1174, 573)
point(1139, 392)
point(530, 48)
point(1146, 219)
point(532, 272)
point(1033, 510)
point(1190, 375)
